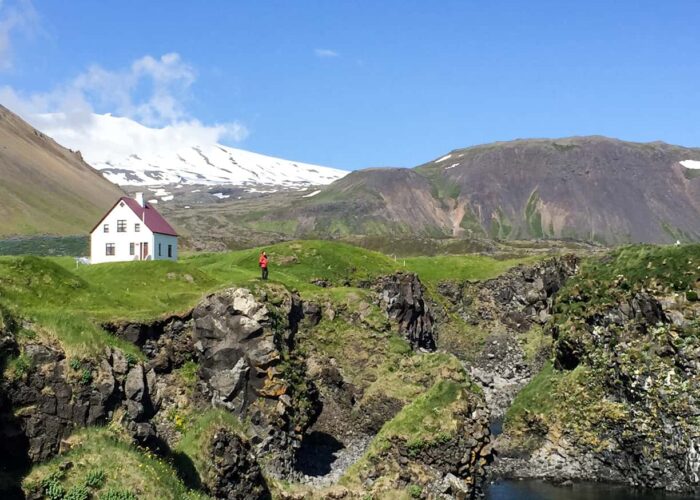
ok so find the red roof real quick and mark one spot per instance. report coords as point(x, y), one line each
point(149, 215)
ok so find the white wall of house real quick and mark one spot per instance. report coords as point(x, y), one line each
point(121, 240)
point(164, 247)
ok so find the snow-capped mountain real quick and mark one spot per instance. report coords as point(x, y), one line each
point(130, 154)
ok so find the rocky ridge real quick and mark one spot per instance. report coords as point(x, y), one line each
point(505, 308)
point(624, 385)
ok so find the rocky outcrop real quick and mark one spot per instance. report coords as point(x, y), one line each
point(167, 343)
point(519, 298)
point(507, 307)
point(628, 356)
point(402, 297)
point(235, 473)
point(247, 365)
point(50, 396)
point(450, 465)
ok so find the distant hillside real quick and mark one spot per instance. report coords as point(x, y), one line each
point(46, 188)
point(583, 188)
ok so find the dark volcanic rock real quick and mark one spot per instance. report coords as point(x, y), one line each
point(235, 473)
point(506, 307)
point(241, 343)
point(453, 466)
point(632, 417)
point(401, 295)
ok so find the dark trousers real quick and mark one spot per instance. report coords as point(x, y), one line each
point(264, 273)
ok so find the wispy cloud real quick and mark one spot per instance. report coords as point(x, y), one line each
point(326, 53)
point(153, 91)
point(18, 17)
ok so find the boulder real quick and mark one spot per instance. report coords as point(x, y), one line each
point(235, 473)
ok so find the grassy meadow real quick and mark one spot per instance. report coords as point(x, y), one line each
point(69, 302)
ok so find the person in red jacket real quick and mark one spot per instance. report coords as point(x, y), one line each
point(262, 262)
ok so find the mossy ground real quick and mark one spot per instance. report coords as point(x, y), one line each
point(125, 468)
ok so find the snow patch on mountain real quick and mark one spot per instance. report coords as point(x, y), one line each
point(446, 157)
point(691, 164)
point(130, 154)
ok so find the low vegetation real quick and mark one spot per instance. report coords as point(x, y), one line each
point(70, 302)
point(101, 465)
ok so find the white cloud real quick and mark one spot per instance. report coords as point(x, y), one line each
point(325, 53)
point(104, 137)
point(19, 17)
point(151, 91)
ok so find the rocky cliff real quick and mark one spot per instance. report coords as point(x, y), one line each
point(620, 402)
point(256, 358)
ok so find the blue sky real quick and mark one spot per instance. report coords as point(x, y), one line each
point(366, 83)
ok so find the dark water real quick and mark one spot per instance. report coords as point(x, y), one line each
point(539, 490)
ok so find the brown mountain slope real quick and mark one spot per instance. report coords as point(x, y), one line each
point(44, 187)
point(583, 188)
point(588, 188)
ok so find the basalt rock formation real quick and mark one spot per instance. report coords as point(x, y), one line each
point(625, 385)
point(52, 396)
point(235, 474)
point(402, 296)
point(453, 466)
point(507, 307)
point(241, 346)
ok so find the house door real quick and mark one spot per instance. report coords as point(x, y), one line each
point(144, 251)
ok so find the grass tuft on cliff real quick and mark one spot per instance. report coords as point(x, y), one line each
point(103, 466)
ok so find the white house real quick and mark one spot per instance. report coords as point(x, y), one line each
point(132, 230)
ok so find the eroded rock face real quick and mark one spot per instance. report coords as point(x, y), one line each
point(54, 396)
point(241, 345)
point(235, 474)
point(401, 295)
point(451, 467)
point(634, 419)
point(506, 307)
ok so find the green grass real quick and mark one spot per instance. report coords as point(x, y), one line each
point(45, 246)
point(460, 267)
point(191, 453)
point(536, 397)
point(428, 420)
point(71, 302)
point(125, 468)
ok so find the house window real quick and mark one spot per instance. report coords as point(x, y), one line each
point(132, 248)
point(109, 249)
point(170, 250)
point(106, 228)
point(137, 227)
point(159, 254)
point(121, 226)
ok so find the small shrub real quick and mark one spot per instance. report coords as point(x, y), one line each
point(691, 295)
point(188, 372)
point(118, 494)
point(75, 364)
point(21, 365)
point(95, 478)
point(86, 376)
point(131, 360)
point(51, 486)
point(415, 447)
point(77, 492)
point(414, 490)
